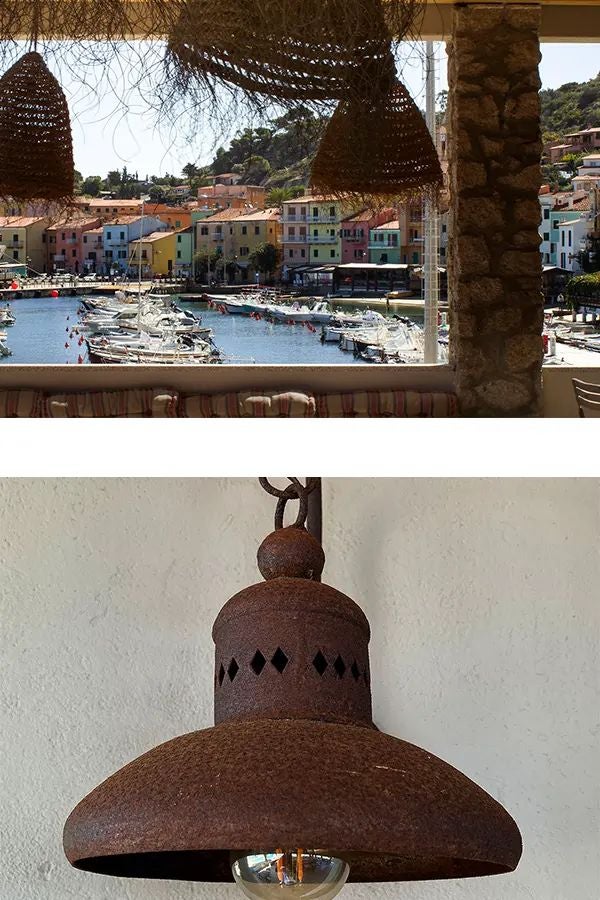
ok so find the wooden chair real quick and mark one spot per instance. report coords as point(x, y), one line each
point(588, 398)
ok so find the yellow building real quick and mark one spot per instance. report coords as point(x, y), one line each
point(235, 234)
point(25, 240)
point(159, 254)
point(312, 229)
point(262, 226)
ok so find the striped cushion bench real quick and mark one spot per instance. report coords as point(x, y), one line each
point(387, 404)
point(249, 404)
point(21, 404)
point(154, 403)
point(166, 403)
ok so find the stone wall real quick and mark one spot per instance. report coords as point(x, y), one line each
point(496, 304)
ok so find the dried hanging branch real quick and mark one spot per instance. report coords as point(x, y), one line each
point(312, 52)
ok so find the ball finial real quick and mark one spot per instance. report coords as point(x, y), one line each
point(291, 553)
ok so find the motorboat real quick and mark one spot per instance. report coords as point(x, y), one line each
point(4, 350)
point(7, 317)
point(149, 350)
point(319, 313)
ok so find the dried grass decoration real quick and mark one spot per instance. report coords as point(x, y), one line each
point(377, 153)
point(36, 146)
point(315, 50)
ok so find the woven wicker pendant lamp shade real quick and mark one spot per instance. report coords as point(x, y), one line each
point(314, 51)
point(294, 759)
point(36, 147)
point(377, 154)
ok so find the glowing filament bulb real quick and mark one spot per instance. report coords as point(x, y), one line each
point(301, 873)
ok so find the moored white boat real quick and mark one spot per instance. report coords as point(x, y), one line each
point(7, 317)
point(151, 350)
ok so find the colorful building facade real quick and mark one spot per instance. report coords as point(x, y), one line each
point(118, 235)
point(232, 196)
point(384, 243)
point(93, 250)
point(312, 231)
point(25, 241)
point(355, 230)
point(65, 248)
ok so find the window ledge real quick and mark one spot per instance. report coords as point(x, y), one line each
point(218, 379)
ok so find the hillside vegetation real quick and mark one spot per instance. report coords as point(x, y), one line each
point(570, 107)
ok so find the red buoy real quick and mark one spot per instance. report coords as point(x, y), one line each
point(14, 286)
point(54, 294)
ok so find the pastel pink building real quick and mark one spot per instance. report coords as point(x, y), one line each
point(355, 233)
point(65, 245)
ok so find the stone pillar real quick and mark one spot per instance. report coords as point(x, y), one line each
point(495, 269)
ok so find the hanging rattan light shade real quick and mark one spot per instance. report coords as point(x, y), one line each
point(317, 50)
point(294, 759)
point(377, 153)
point(36, 146)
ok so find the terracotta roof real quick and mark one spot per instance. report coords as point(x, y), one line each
point(95, 231)
point(73, 223)
point(262, 215)
point(583, 131)
point(394, 225)
point(19, 221)
point(312, 198)
point(154, 236)
point(583, 204)
point(364, 215)
point(122, 220)
point(95, 201)
point(224, 215)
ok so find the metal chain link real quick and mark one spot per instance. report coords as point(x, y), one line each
point(294, 491)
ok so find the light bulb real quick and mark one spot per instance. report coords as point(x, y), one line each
point(299, 873)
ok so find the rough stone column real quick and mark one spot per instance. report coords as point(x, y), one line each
point(495, 270)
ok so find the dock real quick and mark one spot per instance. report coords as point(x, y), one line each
point(75, 288)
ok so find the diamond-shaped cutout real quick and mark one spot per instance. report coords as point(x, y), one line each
point(340, 666)
point(258, 663)
point(232, 669)
point(279, 660)
point(355, 671)
point(221, 675)
point(320, 663)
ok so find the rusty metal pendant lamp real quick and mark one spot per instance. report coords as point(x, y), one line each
point(294, 787)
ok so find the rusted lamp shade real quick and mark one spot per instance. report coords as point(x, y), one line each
point(294, 759)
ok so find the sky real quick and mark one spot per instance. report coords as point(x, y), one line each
point(106, 139)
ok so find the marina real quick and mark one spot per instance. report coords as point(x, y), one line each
point(185, 330)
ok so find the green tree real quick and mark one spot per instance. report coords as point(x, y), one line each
point(277, 196)
point(570, 162)
point(256, 169)
point(158, 193)
point(265, 258)
point(91, 185)
point(113, 180)
point(190, 171)
point(202, 260)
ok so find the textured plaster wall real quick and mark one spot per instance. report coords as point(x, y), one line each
point(482, 595)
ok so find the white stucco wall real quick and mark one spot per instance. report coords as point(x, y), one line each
point(482, 596)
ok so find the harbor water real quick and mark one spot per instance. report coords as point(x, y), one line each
point(43, 329)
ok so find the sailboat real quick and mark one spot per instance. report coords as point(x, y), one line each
point(142, 327)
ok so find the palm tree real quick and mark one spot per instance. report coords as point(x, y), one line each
point(276, 196)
